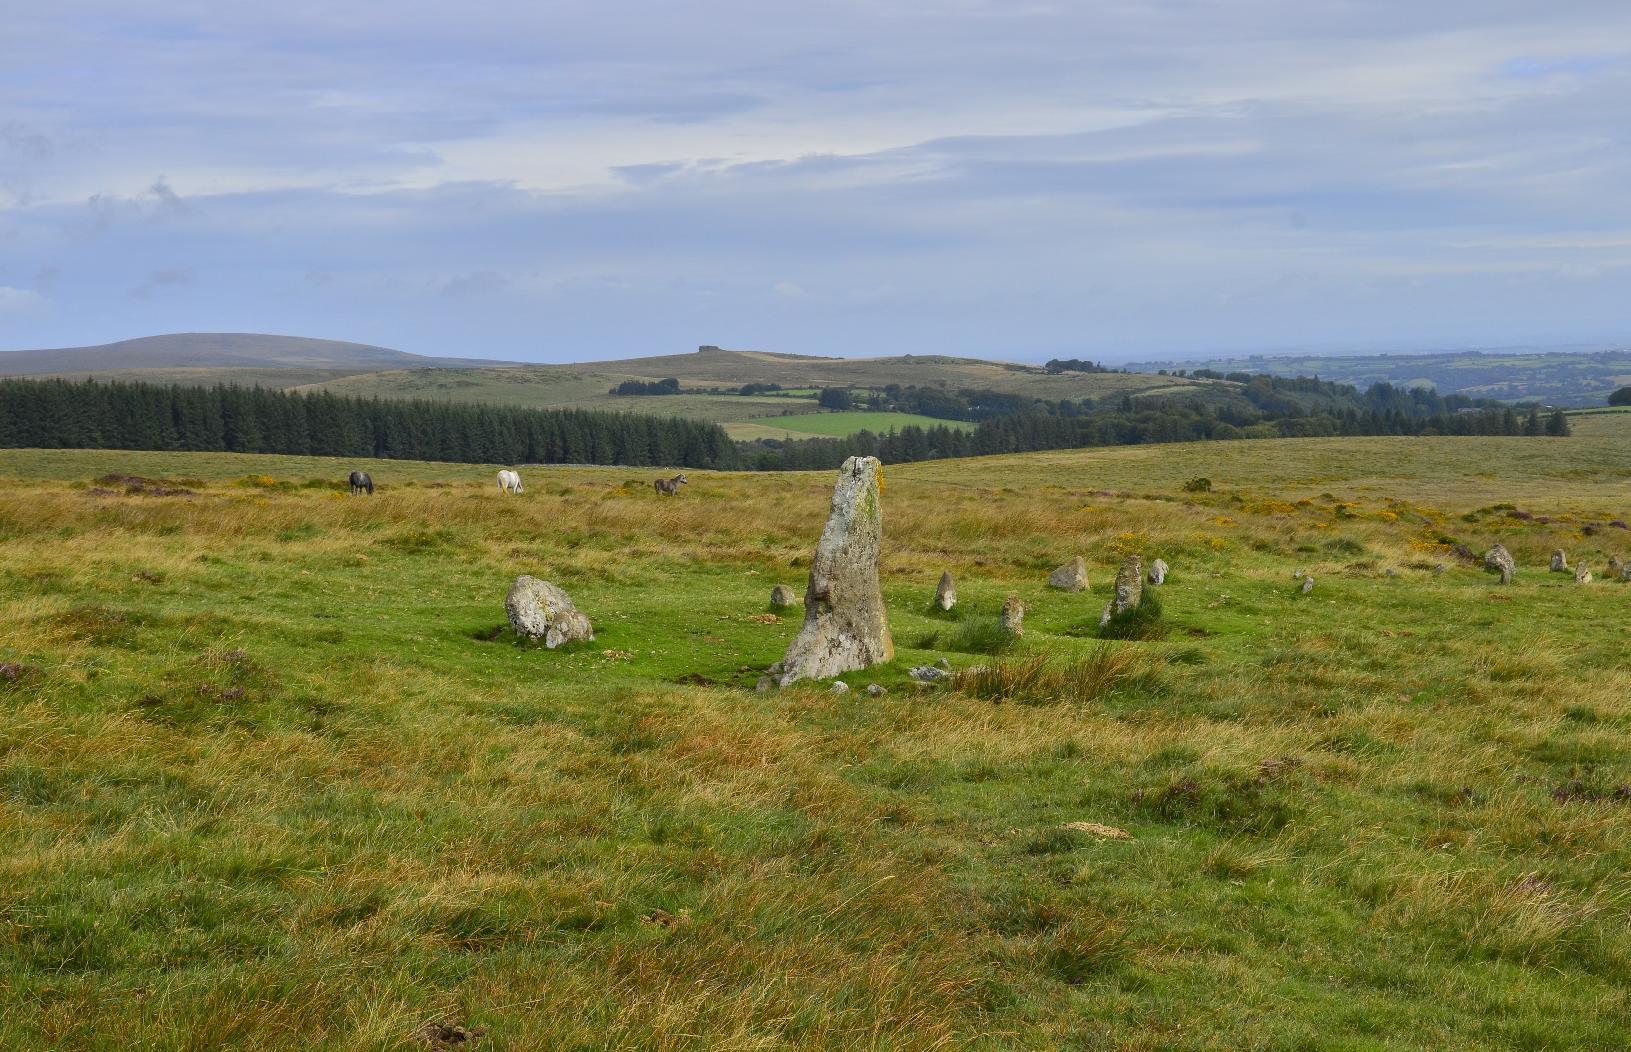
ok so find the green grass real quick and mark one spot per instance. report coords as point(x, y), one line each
point(836, 425)
point(272, 777)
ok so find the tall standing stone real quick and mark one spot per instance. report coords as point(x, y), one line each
point(1499, 560)
point(1560, 561)
point(1129, 590)
point(945, 595)
point(1072, 577)
point(845, 624)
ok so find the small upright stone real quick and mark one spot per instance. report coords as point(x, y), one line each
point(1297, 575)
point(1616, 567)
point(1438, 569)
point(846, 627)
point(1499, 560)
point(1158, 572)
point(1560, 561)
point(1129, 590)
point(1072, 577)
point(1308, 585)
point(540, 611)
point(781, 597)
point(945, 595)
point(1013, 616)
point(1582, 575)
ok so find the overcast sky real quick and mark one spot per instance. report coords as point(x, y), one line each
point(566, 179)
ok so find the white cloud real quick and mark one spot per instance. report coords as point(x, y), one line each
point(14, 301)
point(1020, 177)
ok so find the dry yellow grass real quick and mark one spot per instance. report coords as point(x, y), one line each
point(266, 782)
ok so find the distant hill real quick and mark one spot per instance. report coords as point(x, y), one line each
point(710, 378)
point(712, 369)
point(198, 356)
point(1565, 378)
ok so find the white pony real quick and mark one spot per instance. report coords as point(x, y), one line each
point(509, 482)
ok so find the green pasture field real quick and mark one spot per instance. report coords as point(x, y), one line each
point(585, 385)
point(273, 775)
point(836, 425)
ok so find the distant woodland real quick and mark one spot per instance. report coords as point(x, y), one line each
point(90, 414)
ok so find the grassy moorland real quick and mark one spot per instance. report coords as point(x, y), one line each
point(270, 778)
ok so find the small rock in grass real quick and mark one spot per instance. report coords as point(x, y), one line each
point(1582, 575)
point(838, 687)
point(1071, 577)
point(1158, 572)
point(875, 690)
point(927, 674)
point(1308, 585)
point(1297, 575)
point(1129, 590)
point(1013, 616)
point(1438, 570)
point(1499, 561)
point(782, 597)
point(539, 610)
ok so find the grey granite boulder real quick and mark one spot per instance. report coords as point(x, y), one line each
point(539, 611)
point(1071, 577)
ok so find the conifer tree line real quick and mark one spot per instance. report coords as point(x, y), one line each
point(1383, 410)
point(92, 414)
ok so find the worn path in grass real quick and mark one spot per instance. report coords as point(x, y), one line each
point(270, 779)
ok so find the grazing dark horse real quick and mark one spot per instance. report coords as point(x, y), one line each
point(670, 487)
point(361, 483)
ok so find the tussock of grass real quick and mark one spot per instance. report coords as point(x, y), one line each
point(1142, 622)
point(1038, 680)
point(975, 635)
